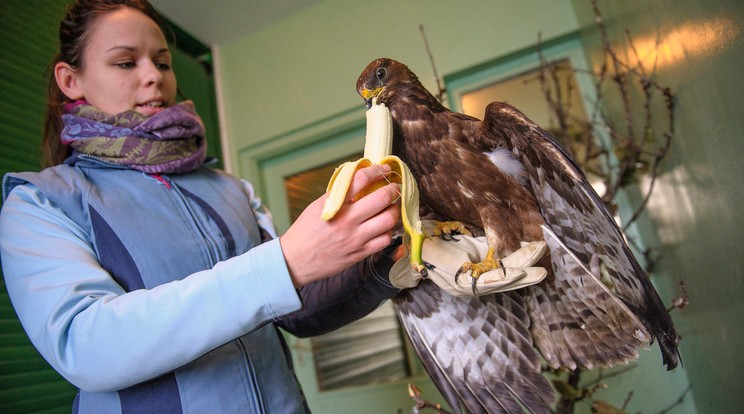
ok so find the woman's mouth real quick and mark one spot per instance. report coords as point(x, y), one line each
point(151, 108)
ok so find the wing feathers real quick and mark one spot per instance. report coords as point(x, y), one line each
point(480, 347)
point(582, 223)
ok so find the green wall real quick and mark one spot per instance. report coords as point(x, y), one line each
point(304, 68)
point(695, 208)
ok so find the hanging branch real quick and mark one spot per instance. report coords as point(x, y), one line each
point(681, 301)
point(678, 401)
point(415, 393)
point(638, 151)
point(440, 88)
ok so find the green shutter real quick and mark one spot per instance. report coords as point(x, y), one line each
point(28, 42)
point(27, 45)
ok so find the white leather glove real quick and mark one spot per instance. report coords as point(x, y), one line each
point(448, 255)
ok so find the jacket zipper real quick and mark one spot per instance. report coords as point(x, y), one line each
point(258, 405)
point(101, 161)
point(209, 243)
point(159, 177)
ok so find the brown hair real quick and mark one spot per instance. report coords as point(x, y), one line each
point(73, 37)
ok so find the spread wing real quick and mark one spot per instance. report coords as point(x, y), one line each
point(478, 349)
point(595, 272)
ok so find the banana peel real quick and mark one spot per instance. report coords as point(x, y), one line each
point(378, 151)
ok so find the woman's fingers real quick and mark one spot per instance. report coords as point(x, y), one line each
point(372, 204)
point(380, 228)
point(383, 193)
point(366, 177)
point(314, 248)
point(378, 211)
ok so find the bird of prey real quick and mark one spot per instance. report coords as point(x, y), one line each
point(510, 179)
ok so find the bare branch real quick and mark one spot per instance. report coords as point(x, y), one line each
point(679, 401)
point(440, 87)
point(636, 153)
point(415, 393)
point(681, 301)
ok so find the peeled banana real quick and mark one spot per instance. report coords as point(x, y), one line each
point(377, 151)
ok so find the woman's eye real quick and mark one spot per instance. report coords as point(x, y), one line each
point(163, 66)
point(125, 65)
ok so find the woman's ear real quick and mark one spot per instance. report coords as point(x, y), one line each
point(67, 80)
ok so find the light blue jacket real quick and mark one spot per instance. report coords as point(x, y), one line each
point(196, 331)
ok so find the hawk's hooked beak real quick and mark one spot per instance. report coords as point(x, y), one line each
point(369, 95)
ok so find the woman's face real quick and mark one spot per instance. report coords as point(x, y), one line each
point(126, 65)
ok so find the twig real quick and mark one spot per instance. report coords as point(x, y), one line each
point(637, 151)
point(660, 155)
point(627, 400)
point(602, 376)
point(440, 88)
point(679, 401)
point(634, 150)
point(415, 393)
point(681, 301)
point(618, 75)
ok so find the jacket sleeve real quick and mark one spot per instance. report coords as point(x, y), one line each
point(101, 338)
point(331, 303)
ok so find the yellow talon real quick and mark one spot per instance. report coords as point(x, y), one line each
point(377, 151)
point(449, 227)
point(477, 269)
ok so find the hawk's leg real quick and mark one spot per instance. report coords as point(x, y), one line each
point(477, 269)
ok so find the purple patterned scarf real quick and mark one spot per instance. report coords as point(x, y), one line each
point(171, 141)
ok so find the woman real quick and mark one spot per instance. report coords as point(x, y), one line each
point(149, 281)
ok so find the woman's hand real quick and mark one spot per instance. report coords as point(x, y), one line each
point(315, 249)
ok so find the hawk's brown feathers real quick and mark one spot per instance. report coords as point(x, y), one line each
point(509, 178)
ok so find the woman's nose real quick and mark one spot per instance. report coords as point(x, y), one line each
point(153, 75)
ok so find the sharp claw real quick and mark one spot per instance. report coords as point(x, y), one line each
point(447, 237)
point(429, 266)
point(458, 273)
point(475, 286)
point(503, 268)
point(424, 273)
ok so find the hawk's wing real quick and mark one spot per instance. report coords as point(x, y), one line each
point(595, 308)
point(599, 286)
point(477, 349)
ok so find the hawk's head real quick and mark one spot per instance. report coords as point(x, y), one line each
point(387, 80)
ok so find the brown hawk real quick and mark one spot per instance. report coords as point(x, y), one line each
point(509, 178)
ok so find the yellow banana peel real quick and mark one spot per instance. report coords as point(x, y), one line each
point(377, 151)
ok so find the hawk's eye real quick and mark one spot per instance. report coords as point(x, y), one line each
point(381, 73)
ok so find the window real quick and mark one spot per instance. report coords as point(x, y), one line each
point(515, 80)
